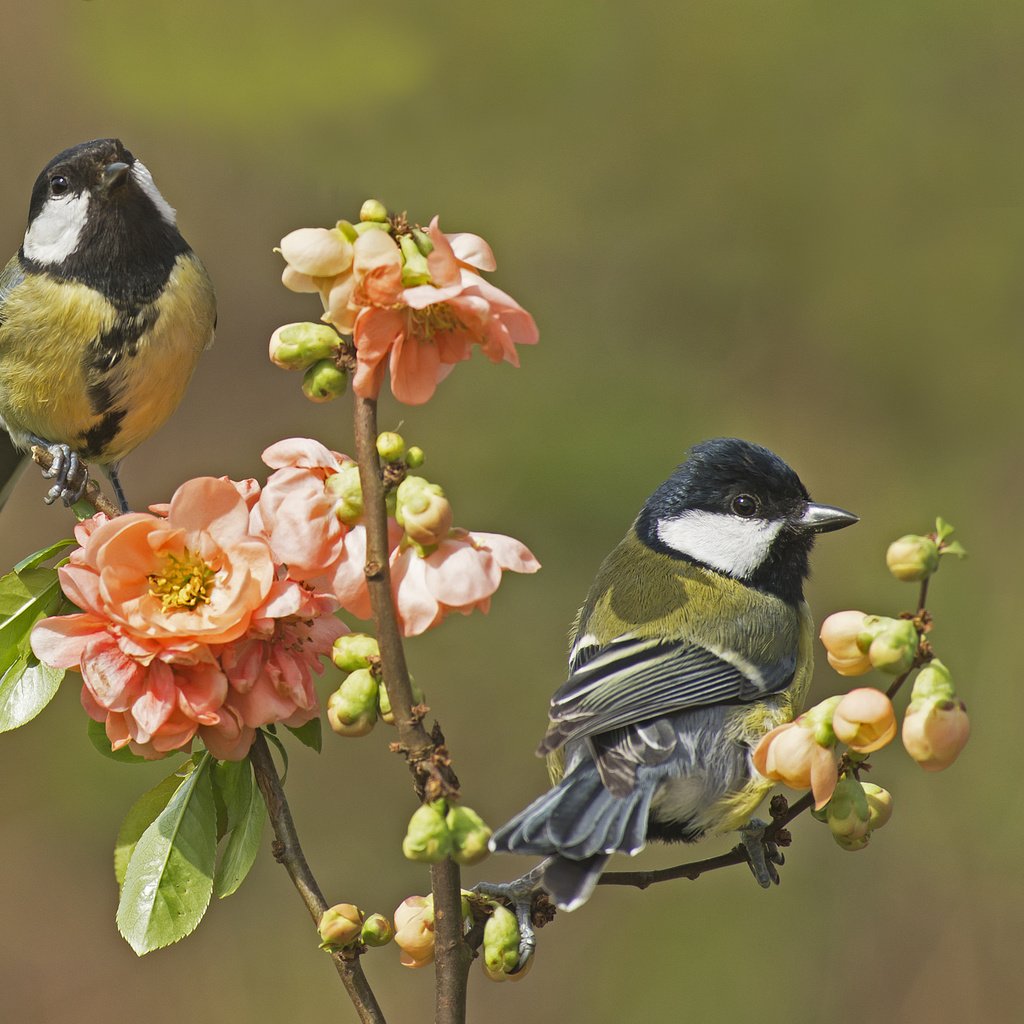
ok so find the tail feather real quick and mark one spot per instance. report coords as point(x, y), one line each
point(570, 883)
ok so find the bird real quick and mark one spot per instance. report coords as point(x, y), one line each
point(104, 312)
point(693, 643)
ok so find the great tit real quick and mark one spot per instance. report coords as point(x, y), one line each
point(104, 312)
point(694, 642)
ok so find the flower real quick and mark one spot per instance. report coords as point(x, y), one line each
point(935, 731)
point(791, 754)
point(839, 633)
point(912, 558)
point(320, 260)
point(414, 930)
point(459, 575)
point(864, 720)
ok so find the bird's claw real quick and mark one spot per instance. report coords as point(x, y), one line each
point(520, 894)
point(762, 854)
point(69, 473)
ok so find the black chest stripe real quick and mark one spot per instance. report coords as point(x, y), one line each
point(94, 442)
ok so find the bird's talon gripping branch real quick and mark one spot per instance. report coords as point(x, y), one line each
point(762, 854)
point(69, 473)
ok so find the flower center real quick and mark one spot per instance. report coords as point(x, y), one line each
point(434, 319)
point(184, 582)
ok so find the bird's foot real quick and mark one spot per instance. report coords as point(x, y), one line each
point(521, 893)
point(763, 855)
point(68, 472)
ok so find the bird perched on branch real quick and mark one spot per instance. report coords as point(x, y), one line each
point(104, 312)
point(693, 643)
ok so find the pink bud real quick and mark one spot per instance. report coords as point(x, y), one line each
point(934, 732)
point(864, 720)
point(414, 930)
point(790, 754)
point(839, 634)
point(317, 252)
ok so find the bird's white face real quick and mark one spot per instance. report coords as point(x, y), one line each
point(140, 172)
point(731, 544)
point(54, 234)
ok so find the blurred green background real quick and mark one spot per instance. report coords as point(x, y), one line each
point(795, 222)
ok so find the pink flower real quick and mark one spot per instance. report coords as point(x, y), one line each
point(414, 930)
point(864, 720)
point(320, 260)
point(459, 575)
point(790, 754)
point(935, 731)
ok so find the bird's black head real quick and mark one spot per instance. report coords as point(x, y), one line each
point(737, 508)
point(96, 216)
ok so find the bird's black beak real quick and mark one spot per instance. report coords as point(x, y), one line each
point(825, 518)
point(114, 175)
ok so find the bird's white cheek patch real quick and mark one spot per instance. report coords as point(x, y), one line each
point(54, 235)
point(727, 543)
point(140, 172)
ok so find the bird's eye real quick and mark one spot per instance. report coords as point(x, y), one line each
point(59, 185)
point(744, 505)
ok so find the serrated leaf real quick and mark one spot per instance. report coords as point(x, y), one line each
point(169, 879)
point(26, 687)
point(44, 554)
point(246, 817)
point(98, 738)
point(310, 734)
point(141, 815)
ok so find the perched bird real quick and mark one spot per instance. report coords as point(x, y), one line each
point(104, 312)
point(693, 643)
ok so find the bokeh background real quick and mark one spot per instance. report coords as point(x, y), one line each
point(799, 223)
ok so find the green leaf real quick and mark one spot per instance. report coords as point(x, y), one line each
point(281, 749)
point(25, 597)
point(310, 734)
point(141, 815)
point(26, 687)
point(954, 548)
point(98, 738)
point(942, 529)
point(246, 817)
point(169, 879)
point(44, 555)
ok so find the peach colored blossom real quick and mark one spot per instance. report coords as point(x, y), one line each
point(839, 633)
point(459, 575)
point(414, 930)
point(864, 720)
point(935, 731)
point(791, 755)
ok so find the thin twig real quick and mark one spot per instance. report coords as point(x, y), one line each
point(92, 494)
point(288, 851)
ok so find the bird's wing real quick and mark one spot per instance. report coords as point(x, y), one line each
point(632, 680)
point(10, 277)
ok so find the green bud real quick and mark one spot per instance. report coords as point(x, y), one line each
point(345, 488)
point(414, 264)
point(912, 558)
point(414, 457)
point(819, 720)
point(427, 839)
point(296, 346)
point(852, 843)
point(894, 649)
point(352, 708)
point(384, 701)
point(872, 626)
point(373, 210)
point(371, 225)
point(339, 926)
point(848, 812)
point(470, 835)
point(423, 242)
point(353, 651)
point(423, 510)
point(377, 931)
point(501, 943)
point(879, 805)
point(347, 228)
point(323, 381)
point(933, 683)
point(390, 446)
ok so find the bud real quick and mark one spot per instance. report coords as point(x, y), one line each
point(414, 457)
point(373, 210)
point(894, 649)
point(414, 264)
point(353, 651)
point(839, 633)
point(469, 833)
point(879, 805)
point(501, 943)
point(414, 930)
point(864, 720)
point(427, 838)
point(819, 720)
point(317, 252)
point(912, 558)
point(347, 229)
point(296, 346)
point(848, 813)
point(790, 754)
point(423, 241)
point(423, 511)
point(340, 925)
point(365, 226)
point(377, 931)
point(934, 732)
point(852, 843)
point(323, 381)
point(384, 701)
point(933, 683)
point(390, 446)
point(345, 488)
point(352, 708)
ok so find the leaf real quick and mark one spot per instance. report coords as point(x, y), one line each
point(281, 749)
point(954, 548)
point(25, 597)
point(26, 687)
point(246, 817)
point(169, 879)
point(310, 734)
point(44, 555)
point(942, 529)
point(98, 738)
point(141, 815)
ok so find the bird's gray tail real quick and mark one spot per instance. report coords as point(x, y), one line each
point(12, 462)
point(578, 824)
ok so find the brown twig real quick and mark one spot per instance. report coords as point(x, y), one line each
point(288, 851)
point(424, 752)
point(92, 494)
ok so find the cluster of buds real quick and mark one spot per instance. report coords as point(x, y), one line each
point(344, 925)
point(317, 350)
point(361, 699)
point(438, 830)
point(915, 557)
point(855, 811)
point(856, 643)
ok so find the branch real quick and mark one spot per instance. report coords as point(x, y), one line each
point(288, 851)
point(92, 494)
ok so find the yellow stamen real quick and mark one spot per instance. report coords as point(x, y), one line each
point(435, 319)
point(184, 583)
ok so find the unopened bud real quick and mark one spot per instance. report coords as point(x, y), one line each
point(371, 225)
point(324, 380)
point(414, 930)
point(427, 838)
point(894, 649)
point(390, 446)
point(352, 708)
point(933, 683)
point(345, 487)
point(296, 346)
point(501, 943)
point(839, 633)
point(377, 931)
point(423, 241)
point(423, 511)
point(414, 457)
point(469, 833)
point(387, 714)
point(353, 651)
point(414, 264)
point(848, 812)
point(879, 805)
point(340, 925)
point(934, 732)
point(852, 843)
point(819, 720)
point(347, 229)
point(912, 558)
point(373, 210)
point(864, 720)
